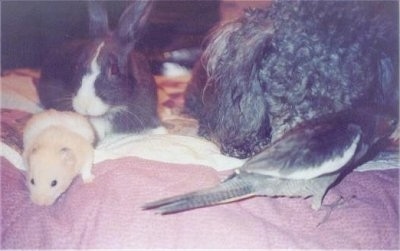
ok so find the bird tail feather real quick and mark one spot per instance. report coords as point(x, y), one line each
point(231, 190)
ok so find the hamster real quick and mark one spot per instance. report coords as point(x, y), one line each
point(57, 147)
point(105, 77)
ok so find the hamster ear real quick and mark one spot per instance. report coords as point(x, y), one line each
point(27, 153)
point(132, 22)
point(98, 20)
point(67, 156)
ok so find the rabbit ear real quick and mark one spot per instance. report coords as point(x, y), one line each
point(132, 21)
point(98, 20)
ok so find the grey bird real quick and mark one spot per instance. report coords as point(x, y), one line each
point(306, 161)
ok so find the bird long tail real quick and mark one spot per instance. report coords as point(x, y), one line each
point(232, 189)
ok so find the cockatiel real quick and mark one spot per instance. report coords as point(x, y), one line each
point(306, 161)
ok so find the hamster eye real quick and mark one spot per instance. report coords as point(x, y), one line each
point(32, 181)
point(53, 183)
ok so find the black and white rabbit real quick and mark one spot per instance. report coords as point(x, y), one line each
point(104, 78)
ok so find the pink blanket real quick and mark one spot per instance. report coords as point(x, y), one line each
point(107, 213)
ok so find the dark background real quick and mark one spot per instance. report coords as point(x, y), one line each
point(30, 28)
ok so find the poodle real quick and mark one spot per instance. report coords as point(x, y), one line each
point(271, 70)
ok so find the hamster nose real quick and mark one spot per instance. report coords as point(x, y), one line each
point(41, 200)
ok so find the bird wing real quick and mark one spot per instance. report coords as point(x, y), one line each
point(308, 151)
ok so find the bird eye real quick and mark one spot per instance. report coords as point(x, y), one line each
point(54, 183)
point(32, 181)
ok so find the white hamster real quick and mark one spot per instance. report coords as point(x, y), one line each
point(57, 147)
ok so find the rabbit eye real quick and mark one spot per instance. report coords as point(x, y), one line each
point(53, 183)
point(32, 181)
point(114, 69)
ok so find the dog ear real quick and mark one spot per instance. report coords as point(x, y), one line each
point(235, 108)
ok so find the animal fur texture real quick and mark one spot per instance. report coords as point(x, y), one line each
point(57, 147)
point(273, 69)
point(104, 77)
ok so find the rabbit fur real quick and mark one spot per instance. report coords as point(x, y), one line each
point(104, 77)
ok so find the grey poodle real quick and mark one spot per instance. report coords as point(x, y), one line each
point(272, 70)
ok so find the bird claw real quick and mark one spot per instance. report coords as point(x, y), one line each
point(329, 208)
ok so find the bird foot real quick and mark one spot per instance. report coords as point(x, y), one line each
point(329, 208)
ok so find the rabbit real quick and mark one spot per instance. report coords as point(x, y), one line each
point(57, 147)
point(104, 77)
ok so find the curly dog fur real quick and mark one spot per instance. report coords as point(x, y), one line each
point(270, 70)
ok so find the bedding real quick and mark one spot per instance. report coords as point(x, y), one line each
point(361, 212)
